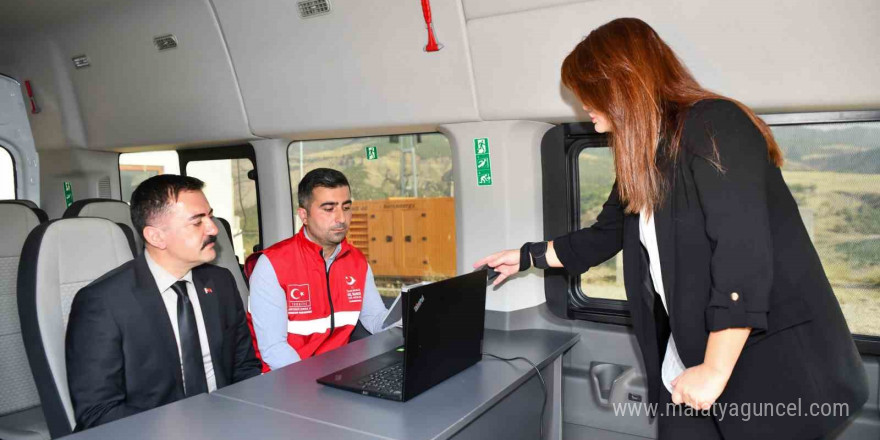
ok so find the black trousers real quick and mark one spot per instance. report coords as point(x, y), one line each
point(679, 422)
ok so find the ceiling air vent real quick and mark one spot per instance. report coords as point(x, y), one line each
point(81, 61)
point(313, 8)
point(165, 42)
point(104, 187)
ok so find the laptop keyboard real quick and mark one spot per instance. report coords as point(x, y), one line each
point(388, 380)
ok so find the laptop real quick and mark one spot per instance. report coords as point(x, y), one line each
point(442, 334)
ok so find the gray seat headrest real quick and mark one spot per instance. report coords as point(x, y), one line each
point(41, 215)
point(115, 210)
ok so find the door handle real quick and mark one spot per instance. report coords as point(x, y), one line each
point(613, 383)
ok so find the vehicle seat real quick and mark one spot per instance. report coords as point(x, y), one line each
point(20, 414)
point(59, 258)
point(226, 258)
point(115, 210)
point(41, 215)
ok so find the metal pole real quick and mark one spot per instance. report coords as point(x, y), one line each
point(301, 173)
point(402, 167)
point(415, 171)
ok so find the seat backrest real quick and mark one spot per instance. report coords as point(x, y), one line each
point(41, 215)
point(115, 210)
point(226, 257)
point(17, 388)
point(59, 258)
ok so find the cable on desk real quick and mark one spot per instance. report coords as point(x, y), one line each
point(540, 377)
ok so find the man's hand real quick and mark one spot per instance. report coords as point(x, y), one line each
point(699, 387)
point(506, 263)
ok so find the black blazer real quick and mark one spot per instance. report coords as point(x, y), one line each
point(122, 357)
point(734, 252)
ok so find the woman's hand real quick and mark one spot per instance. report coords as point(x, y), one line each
point(506, 263)
point(698, 387)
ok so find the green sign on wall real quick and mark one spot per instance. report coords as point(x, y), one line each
point(68, 193)
point(483, 162)
point(372, 152)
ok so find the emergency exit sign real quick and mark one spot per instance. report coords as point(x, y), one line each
point(68, 194)
point(372, 152)
point(483, 162)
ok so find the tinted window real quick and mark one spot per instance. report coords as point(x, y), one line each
point(233, 196)
point(134, 168)
point(7, 175)
point(595, 178)
point(404, 213)
point(833, 171)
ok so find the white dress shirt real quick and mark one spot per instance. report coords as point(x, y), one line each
point(165, 280)
point(672, 365)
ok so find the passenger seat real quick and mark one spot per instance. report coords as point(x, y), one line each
point(59, 258)
point(110, 209)
point(226, 258)
point(20, 414)
point(41, 215)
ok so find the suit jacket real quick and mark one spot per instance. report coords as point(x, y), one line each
point(122, 356)
point(734, 252)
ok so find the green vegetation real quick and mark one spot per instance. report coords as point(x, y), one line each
point(596, 168)
point(861, 254)
point(596, 177)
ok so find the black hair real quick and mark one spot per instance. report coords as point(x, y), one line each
point(319, 177)
point(152, 197)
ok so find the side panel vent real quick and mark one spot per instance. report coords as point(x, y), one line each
point(313, 8)
point(165, 42)
point(104, 187)
point(81, 61)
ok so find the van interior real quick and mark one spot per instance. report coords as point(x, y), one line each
point(456, 134)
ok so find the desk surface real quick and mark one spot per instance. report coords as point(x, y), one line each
point(435, 414)
point(289, 401)
point(206, 417)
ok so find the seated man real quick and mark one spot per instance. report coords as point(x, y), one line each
point(163, 326)
point(308, 292)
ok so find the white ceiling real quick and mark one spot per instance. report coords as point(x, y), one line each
point(21, 16)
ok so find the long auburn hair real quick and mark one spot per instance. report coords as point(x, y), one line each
point(624, 70)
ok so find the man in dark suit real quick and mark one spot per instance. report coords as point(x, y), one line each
point(163, 326)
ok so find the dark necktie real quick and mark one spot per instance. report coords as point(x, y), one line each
point(190, 348)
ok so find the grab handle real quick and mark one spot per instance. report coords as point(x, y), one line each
point(608, 379)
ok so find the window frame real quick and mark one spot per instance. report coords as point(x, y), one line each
point(560, 149)
point(14, 170)
point(243, 151)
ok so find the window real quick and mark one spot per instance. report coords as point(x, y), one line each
point(595, 179)
point(134, 168)
point(833, 171)
point(233, 196)
point(231, 187)
point(403, 213)
point(7, 175)
point(831, 168)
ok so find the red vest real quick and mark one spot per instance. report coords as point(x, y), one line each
point(323, 306)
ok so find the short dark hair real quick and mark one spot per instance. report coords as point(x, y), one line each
point(152, 197)
point(319, 177)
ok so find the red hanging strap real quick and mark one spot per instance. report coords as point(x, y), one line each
point(30, 92)
point(432, 46)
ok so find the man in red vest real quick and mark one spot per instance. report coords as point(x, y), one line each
point(308, 292)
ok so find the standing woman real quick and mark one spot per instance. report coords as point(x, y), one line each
point(729, 301)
